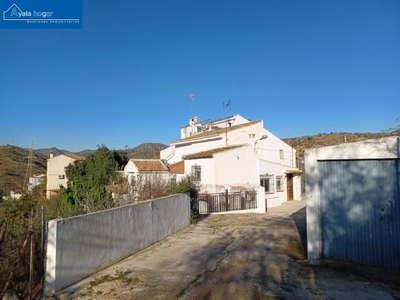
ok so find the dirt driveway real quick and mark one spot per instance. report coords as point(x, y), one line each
point(236, 256)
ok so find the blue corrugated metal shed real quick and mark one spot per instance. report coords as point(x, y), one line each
point(360, 211)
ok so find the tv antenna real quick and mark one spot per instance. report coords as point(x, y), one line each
point(191, 97)
point(227, 105)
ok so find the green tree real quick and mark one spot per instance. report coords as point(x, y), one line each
point(20, 222)
point(88, 179)
point(185, 185)
point(188, 185)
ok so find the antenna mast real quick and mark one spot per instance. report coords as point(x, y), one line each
point(191, 97)
point(226, 107)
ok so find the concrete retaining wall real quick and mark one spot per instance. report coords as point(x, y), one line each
point(80, 246)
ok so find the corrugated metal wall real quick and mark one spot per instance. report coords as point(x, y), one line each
point(360, 211)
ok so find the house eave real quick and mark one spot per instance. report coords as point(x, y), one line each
point(196, 140)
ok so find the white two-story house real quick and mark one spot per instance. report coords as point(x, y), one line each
point(233, 154)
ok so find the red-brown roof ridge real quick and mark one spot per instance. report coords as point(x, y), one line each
point(177, 168)
point(149, 164)
point(75, 156)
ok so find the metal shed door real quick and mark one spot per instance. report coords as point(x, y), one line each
point(360, 211)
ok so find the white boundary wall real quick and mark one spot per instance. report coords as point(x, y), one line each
point(80, 246)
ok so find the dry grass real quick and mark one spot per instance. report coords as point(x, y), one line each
point(292, 248)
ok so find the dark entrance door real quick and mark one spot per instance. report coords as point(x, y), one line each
point(289, 180)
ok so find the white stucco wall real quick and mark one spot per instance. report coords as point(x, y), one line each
point(132, 172)
point(130, 168)
point(80, 246)
point(275, 198)
point(370, 149)
point(237, 167)
point(196, 127)
point(207, 173)
point(297, 187)
point(267, 149)
point(241, 169)
point(191, 147)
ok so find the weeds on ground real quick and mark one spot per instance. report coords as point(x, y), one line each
point(120, 275)
point(131, 280)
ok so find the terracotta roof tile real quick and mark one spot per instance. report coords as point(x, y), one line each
point(74, 156)
point(215, 132)
point(150, 165)
point(210, 153)
point(177, 168)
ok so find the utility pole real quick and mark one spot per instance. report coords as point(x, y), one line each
point(28, 172)
point(226, 107)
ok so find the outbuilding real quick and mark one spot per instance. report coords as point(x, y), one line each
point(353, 202)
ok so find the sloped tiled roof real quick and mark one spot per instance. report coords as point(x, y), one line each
point(177, 168)
point(214, 132)
point(75, 156)
point(149, 165)
point(210, 153)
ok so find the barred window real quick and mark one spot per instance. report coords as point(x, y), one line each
point(279, 184)
point(267, 181)
point(196, 172)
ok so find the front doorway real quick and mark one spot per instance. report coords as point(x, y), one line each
point(289, 184)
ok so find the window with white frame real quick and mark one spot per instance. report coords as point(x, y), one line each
point(267, 181)
point(279, 184)
point(196, 172)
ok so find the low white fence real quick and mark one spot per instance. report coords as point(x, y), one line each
point(80, 246)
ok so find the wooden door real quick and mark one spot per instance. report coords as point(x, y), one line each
point(289, 179)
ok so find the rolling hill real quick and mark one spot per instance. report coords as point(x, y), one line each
point(14, 162)
point(13, 167)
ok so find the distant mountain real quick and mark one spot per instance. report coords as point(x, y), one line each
point(85, 152)
point(13, 167)
point(46, 151)
point(146, 150)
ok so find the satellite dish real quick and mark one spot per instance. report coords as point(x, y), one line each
point(191, 96)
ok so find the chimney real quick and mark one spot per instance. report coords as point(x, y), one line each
point(51, 154)
point(195, 120)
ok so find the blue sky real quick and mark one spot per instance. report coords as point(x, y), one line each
point(304, 67)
